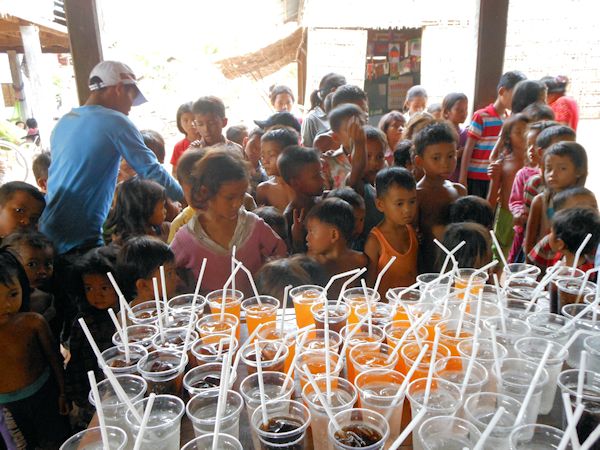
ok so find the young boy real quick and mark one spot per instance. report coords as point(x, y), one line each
point(376, 147)
point(210, 119)
point(40, 166)
point(21, 206)
point(237, 134)
point(274, 191)
point(357, 202)
point(394, 236)
point(330, 225)
point(300, 168)
point(569, 228)
point(252, 148)
point(435, 154)
point(482, 136)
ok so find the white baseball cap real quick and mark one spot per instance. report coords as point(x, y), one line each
point(111, 73)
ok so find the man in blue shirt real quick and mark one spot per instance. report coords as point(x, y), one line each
point(86, 146)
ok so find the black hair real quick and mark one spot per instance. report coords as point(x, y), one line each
point(135, 202)
point(298, 270)
point(507, 127)
point(509, 80)
point(276, 90)
point(256, 131)
point(552, 134)
point(7, 190)
point(575, 152)
point(415, 91)
point(337, 213)
point(561, 197)
point(138, 258)
point(327, 103)
point(237, 133)
point(31, 238)
point(40, 165)
point(434, 133)
point(209, 105)
point(283, 136)
point(349, 195)
point(472, 208)
point(542, 125)
point(155, 142)
point(538, 111)
point(434, 107)
point(31, 123)
point(273, 217)
point(348, 93)
point(573, 225)
point(186, 163)
point(403, 153)
point(387, 119)
point(478, 243)
point(556, 85)
point(394, 176)
point(452, 99)
point(293, 159)
point(525, 93)
point(329, 82)
point(100, 261)
point(339, 114)
point(13, 269)
point(373, 133)
point(183, 109)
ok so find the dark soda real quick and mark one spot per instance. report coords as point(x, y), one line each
point(282, 425)
point(358, 436)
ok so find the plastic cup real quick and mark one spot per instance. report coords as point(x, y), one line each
point(258, 313)
point(268, 351)
point(174, 339)
point(91, 439)
point(233, 301)
point(337, 315)
point(163, 429)
point(381, 313)
point(447, 433)
point(377, 389)
point(585, 324)
point(521, 270)
point(225, 442)
point(485, 356)
point(213, 324)
point(143, 313)
point(448, 330)
point(362, 422)
point(206, 376)
point(454, 368)
point(461, 280)
point(567, 381)
point(183, 304)
point(179, 319)
point(303, 298)
point(479, 408)
point(372, 355)
point(549, 326)
point(355, 297)
point(532, 349)
point(316, 362)
point(536, 437)
point(411, 350)
point(402, 302)
point(569, 288)
point(396, 329)
point(205, 350)
point(163, 371)
point(439, 314)
point(116, 360)
point(271, 331)
point(363, 335)
point(315, 340)
point(564, 273)
point(516, 308)
point(343, 397)
point(488, 309)
point(286, 426)
point(591, 344)
point(137, 334)
point(515, 330)
point(202, 412)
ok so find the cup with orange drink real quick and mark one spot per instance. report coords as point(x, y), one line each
point(258, 310)
point(381, 313)
point(371, 355)
point(304, 297)
point(461, 280)
point(437, 314)
point(271, 331)
point(396, 329)
point(411, 350)
point(401, 299)
point(218, 324)
point(316, 362)
point(355, 297)
point(449, 337)
point(355, 334)
point(315, 340)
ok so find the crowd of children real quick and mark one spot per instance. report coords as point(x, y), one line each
point(299, 201)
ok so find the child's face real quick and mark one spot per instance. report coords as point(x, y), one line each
point(399, 205)
point(438, 160)
point(532, 152)
point(559, 172)
point(283, 102)
point(187, 123)
point(359, 221)
point(172, 280)
point(417, 104)
point(99, 291)
point(310, 180)
point(18, 212)
point(394, 132)
point(375, 159)
point(269, 151)
point(38, 264)
point(253, 149)
point(458, 112)
point(210, 127)
point(319, 237)
point(518, 139)
point(506, 96)
point(159, 214)
point(11, 297)
point(229, 199)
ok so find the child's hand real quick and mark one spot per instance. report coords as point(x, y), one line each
point(63, 406)
point(495, 170)
point(356, 132)
point(298, 226)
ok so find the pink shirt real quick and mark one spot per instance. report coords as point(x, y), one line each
point(255, 242)
point(516, 202)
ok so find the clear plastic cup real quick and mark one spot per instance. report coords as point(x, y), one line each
point(518, 271)
point(517, 308)
point(549, 326)
point(396, 329)
point(361, 336)
point(573, 290)
point(448, 335)
point(401, 299)
point(206, 376)
point(92, 439)
point(163, 371)
point(205, 350)
point(286, 426)
point(372, 355)
point(316, 362)
point(272, 356)
point(479, 408)
point(271, 331)
point(143, 313)
point(488, 309)
point(438, 314)
point(183, 304)
point(343, 397)
point(365, 423)
point(259, 313)
point(591, 344)
point(355, 297)
point(564, 273)
point(515, 330)
point(461, 280)
point(426, 278)
point(304, 297)
point(213, 324)
point(226, 442)
point(163, 429)
point(116, 358)
point(315, 340)
point(532, 349)
point(536, 436)
point(585, 324)
point(447, 433)
point(411, 350)
point(454, 369)
point(337, 315)
point(485, 356)
point(174, 339)
point(202, 412)
point(439, 293)
point(233, 301)
point(178, 319)
point(381, 313)
point(137, 334)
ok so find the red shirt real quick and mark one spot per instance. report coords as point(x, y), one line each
point(566, 111)
point(484, 129)
point(178, 150)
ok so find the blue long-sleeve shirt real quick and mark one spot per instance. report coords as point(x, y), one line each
point(86, 147)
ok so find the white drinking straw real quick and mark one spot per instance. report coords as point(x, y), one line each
point(532, 385)
point(449, 253)
point(322, 400)
point(407, 378)
point(586, 278)
point(579, 315)
point(115, 321)
point(499, 250)
point(190, 326)
point(477, 315)
point(573, 338)
point(251, 279)
point(125, 333)
point(279, 350)
point(286, 294)
point(581, 376)
point(337, 277)
point(99, 410)
point(477, 272)
point(580, 250)
point(591, 439)
point(347, 340)
point(369, 318)
point(571, 427)
point(117, 289)
point(327, 347)
point(288, 375)
point(347, 283)
point(470, 365)
point(490, 427)
point(163, 282)
point(159, 317)
point(382, 273)
point(238, 355)
point(140, 436)
point(497, 365)
point(233, 262)
point(546, 279)
point(225, 286)
point(414, 328)
point(261, 383)
point(436, 341)
point(409, 428)
point(566, 399)
point(222, 400)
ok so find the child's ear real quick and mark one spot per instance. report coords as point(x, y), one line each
point(42, 183)
point(224, 121)
point(418, 161)
point(142, 285)
point(335, 234)
point(379, 204)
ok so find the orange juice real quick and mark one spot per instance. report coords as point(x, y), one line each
point(372, 355)
point(213, 324)
point(361, 336)
point(438, 315)
point(462, 280)
point(304, 297)
point(396, 329)
point(261, 310)
point(401, 299)
point(355, 297)
point(411, 350)
point(448, 335)
point(315, 360)
point(271, 332)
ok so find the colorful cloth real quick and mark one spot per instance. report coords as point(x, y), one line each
point(566, 111)
point(542, 254)
point(178, 150)
point(484, 129)
point(517, 206)
point(336, 167)
point(503, 228)
point(533, 187)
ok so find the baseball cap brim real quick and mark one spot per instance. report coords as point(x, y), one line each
point(139, 98)
point(262, 123)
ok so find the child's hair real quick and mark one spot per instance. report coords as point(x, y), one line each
point(31, 123)
point(403, 153)
point(237, 133)
point(283, 136)
point(509, 80)
point(412, 93)
point(552, 133)
point(507, 127)
point(416, 123)
point(30, 238)
point(541, 126)
point(13, 269)
point(472, 208)
point(376, 134)
point(183, 109)
point(561, 198)
point(135, 202)
point(7, 190)
point(556, 85)
point(155, 142)
point(293, 159)
point(478, 241)
point(348, 93)
point(138, 258)
point(434, 108)
point(256, 131)
point(327, 103)
point(525, 93)
point(339, 114)
point(186, 164)
point(538, 111)
point(394, 176)
point(209, 105)
point(275, 90)
point(98, 261)
point(273, 218)
point(575, 152)
point(328, 83)
point(298, 270)
point(450, 100)
point(337, 213)
point(387, 119)
point(434, 133)
point(573, 225)
point(40, 165)
point(211, 172)
point(349, 195)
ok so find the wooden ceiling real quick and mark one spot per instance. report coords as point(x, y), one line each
point(53, 37)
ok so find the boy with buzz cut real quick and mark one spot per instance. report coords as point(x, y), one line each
point(569, 228)
point(21, 206)
point(435, 154)
point(210, 119)
point(39, 167)
point(482, 136)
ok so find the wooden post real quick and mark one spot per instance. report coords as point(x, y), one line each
point(86, 45)
point(491, 42)
point(17, 80)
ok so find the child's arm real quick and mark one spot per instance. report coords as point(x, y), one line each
point(372, 250)
point(466, 159)
point(262, 198)
point(534, 221)
point(296, 231)
point(516, 201)
point(495, 173)
point(359, 156)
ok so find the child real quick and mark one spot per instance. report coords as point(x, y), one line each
point(392, 124)
point(455, 107)
point(237, 134)
point(40, 166)
point(252, 149)
point(416, 101)
point(139, 209)
point(435, 109)
point(209, 121)
point(274, 191)
point(564, 107)
point(155, 142)
point(357, 202)
point(219, 184)
point(32, 387)
point(376, 148)
point(394, 236)
point(483, 134)
point(330, 225)
point(472, 209)
point(416, 123)
point(403, 155)
point(282, 98)
point(569, 228)
point(435, 154)
point(21, 206)
point(315, 121)
point(138, 261)
point(527, 92)
point(478, 249)
point(300, 168)
point(296, 270)
point(274, 218)
point(185, 125)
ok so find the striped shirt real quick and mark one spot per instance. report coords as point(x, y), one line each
point(485, 129)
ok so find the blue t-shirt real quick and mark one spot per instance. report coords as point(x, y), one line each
point(86, 147)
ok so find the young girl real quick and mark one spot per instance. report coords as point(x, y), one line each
point(282, 98)
point(416, 101)
point(185, 124)
point(316, 121)
point(478, 251)
point(455, 107)
point(139, 209)
point(392, 124)
point(219, 183)
point(31, 376)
